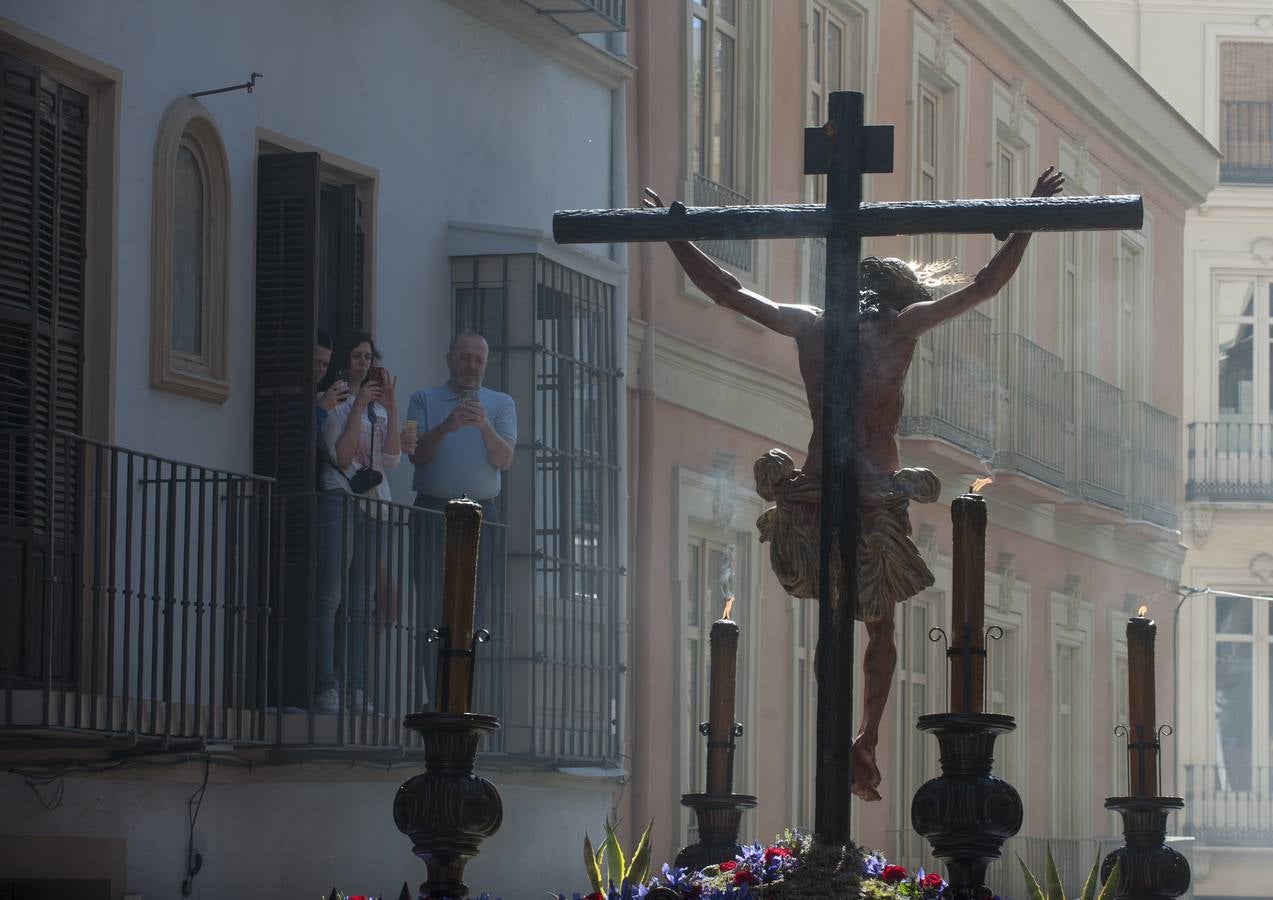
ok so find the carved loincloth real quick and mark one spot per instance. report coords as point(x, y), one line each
point(890, 569)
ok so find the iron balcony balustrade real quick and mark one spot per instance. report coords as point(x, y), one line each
point(147, 608)
point(740, 253)
point(1229, 806)
point(1230, 462)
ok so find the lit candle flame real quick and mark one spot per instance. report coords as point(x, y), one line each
point(729, 605)
point(980, 483)
point(1141, 612)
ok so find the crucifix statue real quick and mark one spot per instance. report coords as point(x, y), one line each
point(852, 492)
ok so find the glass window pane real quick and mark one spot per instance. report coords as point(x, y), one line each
point(1233, 615)
point(725, 9)
point(1268, 357)
point(723, 112)
point(815, 48)
point(1233, 715)
point(698, 74)
point(835, 57)
point(694, 576)
point(716, 585)
point(187, 255)
point(1235, 361)
point(928, 128)
point(1235, 298)
point(919, 639)
point(815, 109)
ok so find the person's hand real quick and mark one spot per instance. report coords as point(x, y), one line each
point(408, 438)
point(389, 391)
point(1050, 183)
point(368, 393)
point(472, 412)
point(337, 392)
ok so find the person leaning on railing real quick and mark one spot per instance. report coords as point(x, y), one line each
point(362, 443)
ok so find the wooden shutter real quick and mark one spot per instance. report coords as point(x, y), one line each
point(286, 297)
point(43, 201)
point(349, 260)
point(287, 279)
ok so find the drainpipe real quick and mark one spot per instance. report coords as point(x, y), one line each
point(617, 44)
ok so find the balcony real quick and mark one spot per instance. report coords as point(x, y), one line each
point(739, 254)
point(950, 387)
point(1030, 432)
point(585, 16)
point(1229, 807)
point(1097, 462)
point(1230, 462)
point(1151, 483)
point(1246, 139)
point(156, 606)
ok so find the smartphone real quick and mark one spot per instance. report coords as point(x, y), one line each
point(343, 375)
point(376, 375)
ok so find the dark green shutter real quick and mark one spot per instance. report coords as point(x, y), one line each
point(43, 201)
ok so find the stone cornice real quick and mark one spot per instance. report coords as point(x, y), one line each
point(1054, 44)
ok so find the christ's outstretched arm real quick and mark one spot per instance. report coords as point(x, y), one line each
point(726, 290)
point(921, 317)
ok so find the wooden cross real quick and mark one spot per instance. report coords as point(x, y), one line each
point(844, 149)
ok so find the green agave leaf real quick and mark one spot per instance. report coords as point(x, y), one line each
point(1093, 877)
point(639, 866)
point(1107, 892)
point(590, 864)
point(1056, 891)
point(615, 864)
point(1031, 883)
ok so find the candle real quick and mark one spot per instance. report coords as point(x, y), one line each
point(463, 528)
point(720, 722)
point(1143, 777)
point(968, 622)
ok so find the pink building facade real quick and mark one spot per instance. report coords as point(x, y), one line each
point(1065, 388)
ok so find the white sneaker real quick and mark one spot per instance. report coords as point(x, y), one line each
point(361, 703)
point(327, 701)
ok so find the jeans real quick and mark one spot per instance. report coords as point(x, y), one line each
point(349, 543)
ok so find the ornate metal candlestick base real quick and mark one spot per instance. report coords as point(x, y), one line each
point(966, 813)
point(718, 816)
point(448, 811)
point(1150, 870)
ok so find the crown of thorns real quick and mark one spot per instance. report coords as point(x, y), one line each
point(909, 279)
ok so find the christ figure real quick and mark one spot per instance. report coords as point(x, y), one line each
point(896, 307)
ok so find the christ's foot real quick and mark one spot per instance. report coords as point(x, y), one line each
point(866, 774)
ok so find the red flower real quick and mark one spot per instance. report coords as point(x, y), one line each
point(893, 874)
point(728, 866)
point(595, 895)
point(773, 853)
point(744, 876)
point(931, 881)
point(355, 897)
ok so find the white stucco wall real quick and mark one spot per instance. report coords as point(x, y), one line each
point(462, 122)
point(299, 840)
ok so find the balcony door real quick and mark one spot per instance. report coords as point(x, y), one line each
point(1243, 377)
point(1243, 695)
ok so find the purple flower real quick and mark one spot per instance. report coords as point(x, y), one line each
point(872, 866)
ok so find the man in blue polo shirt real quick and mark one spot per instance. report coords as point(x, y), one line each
point(467, 434)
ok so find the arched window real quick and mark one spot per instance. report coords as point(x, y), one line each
point(189, 255)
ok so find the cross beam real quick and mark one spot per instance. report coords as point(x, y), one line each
point(843, 149)
point(800, 220)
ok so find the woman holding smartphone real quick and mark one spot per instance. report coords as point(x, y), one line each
point(362, 443)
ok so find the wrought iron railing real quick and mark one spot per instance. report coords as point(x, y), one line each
point(950, 389)
point(739, 254)
point(1230, 461)
point(1229, 806)
point(1030, 426)
point(151, 604)
point(614, 10)
point(1152, 473)
point(1098, 455)
point(1246, 140)
point(136, 599)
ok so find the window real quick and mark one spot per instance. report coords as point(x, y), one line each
point(1120, 714)
point(189, 255)
point(723, 102)
point(804, 724)
point(1014, 135)
point(939, 81)
point(1244, 692)
point(1246, 112)
point(551, 332)
point(1244, 334)
point(1078, 271)
point(1072, 788)
point(920, 682)
point(1133, 329)
point(712, 576)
